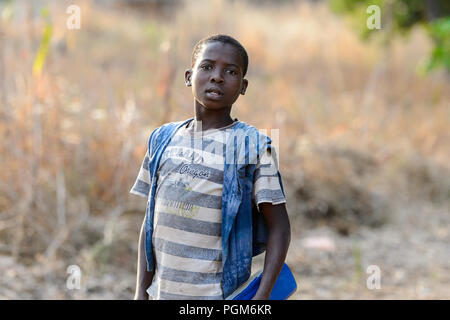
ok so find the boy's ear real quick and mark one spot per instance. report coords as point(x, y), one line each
point(188, 77)
point(244, 86)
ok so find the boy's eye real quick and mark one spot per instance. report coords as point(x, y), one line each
point(232, 72)
point(205, 67)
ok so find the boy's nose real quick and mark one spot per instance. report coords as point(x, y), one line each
point(216, 77)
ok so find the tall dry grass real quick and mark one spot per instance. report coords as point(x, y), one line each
point(359, 127)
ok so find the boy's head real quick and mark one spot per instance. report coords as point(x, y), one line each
point(219, 64)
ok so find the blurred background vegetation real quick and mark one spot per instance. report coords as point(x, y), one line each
point(363, 115)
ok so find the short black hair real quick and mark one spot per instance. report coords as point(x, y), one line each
point(225, 39)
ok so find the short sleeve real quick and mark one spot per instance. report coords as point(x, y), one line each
point(266, 184)
point(141, 186)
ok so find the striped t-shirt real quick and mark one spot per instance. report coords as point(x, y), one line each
point(187, 222)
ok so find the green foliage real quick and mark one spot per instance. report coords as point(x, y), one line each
point(398, 17)
point(440, 32)
point(359, 15)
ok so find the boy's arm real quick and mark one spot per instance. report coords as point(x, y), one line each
point(144, 278)
point(277, 246)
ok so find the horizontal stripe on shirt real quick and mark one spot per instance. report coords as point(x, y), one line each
point(186, 209)
point(267, 183)
point(267, 195)
point(141, 187)
point(197, 278)
point(188, 224)
point(187, 251)
point(189, 155)
point(188, 264)
point(188, 289)
point(182, 292)
point(172, 296)
point(208, 143)
point(188, 238)
point(172, 192)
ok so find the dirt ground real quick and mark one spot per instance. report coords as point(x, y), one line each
point(411, 252)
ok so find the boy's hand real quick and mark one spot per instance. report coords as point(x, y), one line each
point(261, 297)
point(144, 278)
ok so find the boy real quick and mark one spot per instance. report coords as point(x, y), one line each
point(201, 231)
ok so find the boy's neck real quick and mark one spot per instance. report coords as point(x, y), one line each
point(212, 119)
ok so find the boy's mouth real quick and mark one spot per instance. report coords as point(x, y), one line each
point(214, 93)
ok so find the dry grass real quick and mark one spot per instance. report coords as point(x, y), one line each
point(360, 129)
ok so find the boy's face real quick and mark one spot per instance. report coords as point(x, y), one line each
point(217, 76)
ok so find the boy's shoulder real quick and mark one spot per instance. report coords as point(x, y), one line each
point(166, 128)
point(159, 133)
point(254, 134)
point(244, 125)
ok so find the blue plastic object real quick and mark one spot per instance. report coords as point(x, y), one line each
point(283, 288)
